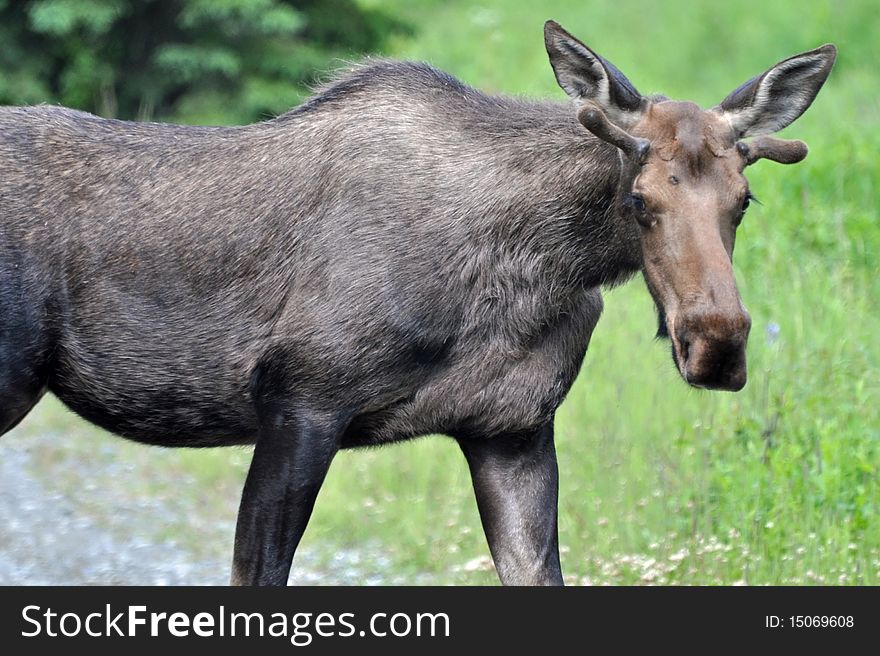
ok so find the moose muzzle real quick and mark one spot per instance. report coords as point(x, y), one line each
point(711, 347)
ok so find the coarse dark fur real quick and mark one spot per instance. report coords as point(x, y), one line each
point(174, 273)
point(401, 255)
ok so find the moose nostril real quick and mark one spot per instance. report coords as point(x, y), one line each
point(684, 345)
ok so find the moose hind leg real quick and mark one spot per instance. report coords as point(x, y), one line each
point(293, 452)
point(23, 356)
point(19, 393)
point(515, 479)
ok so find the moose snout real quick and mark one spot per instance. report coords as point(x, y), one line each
point(712, 349)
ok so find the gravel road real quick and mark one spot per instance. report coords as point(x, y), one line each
point(78, 507)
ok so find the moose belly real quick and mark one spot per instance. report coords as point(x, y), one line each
point(172, 388)
point(172, 412)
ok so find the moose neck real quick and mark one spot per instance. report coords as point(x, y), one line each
point(517, 185)
point(562, 192)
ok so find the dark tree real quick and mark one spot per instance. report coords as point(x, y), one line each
point(199, 61)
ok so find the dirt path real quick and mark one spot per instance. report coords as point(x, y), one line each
point(79, 508)
point(47, 539)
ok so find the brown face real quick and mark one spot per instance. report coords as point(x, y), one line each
point(689, 196)
point(682, 181)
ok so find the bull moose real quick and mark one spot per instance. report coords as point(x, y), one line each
point(400, 255)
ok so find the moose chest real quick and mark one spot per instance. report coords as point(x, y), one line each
point(491, 381)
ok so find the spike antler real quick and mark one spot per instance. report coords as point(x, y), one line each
point(594, 119)
point(783, 151)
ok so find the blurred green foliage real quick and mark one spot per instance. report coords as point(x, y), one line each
point(197, 61)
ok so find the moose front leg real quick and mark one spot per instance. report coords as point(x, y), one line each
point(516, 483)
point(291, 459)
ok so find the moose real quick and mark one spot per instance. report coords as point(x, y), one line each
point(401, 255)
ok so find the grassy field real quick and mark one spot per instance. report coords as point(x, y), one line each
point(778, 484)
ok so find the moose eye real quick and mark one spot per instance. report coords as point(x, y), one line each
point(745, 205)
point(643, 216)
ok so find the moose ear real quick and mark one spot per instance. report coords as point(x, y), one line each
point(585, 76)
point(773, 100)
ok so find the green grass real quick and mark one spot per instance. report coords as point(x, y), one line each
point(660, 483)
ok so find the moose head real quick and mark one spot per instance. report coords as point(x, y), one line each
point(682, 181)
